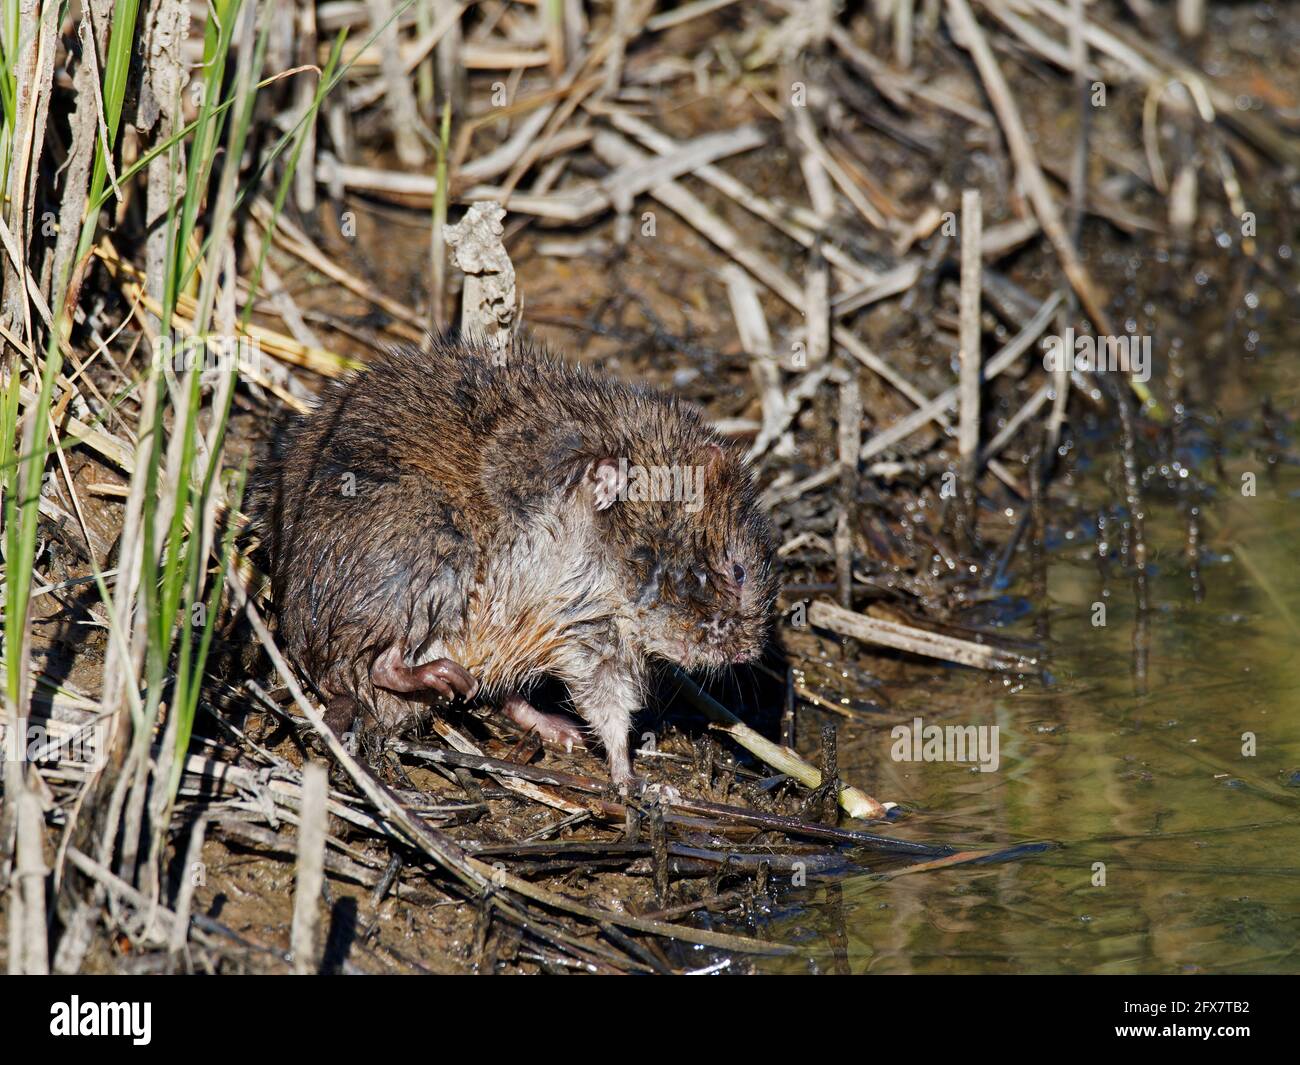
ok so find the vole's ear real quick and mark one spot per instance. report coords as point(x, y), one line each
point(716, 458)
point(604, 482)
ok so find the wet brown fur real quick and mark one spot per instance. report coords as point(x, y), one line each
point(444, 502)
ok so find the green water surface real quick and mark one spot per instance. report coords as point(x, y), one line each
point(1175, 799)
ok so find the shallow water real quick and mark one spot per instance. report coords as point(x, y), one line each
point(1179, 848)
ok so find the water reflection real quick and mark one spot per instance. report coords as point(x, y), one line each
point(1175, 793)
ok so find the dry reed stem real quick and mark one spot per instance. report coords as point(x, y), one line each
point(916, 641)
point(304, 932)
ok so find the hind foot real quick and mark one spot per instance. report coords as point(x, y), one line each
point(442, 676)
point(550, 728)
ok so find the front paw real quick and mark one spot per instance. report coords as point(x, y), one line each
point(440, 679)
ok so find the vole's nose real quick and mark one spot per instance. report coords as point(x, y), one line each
point(722, 631)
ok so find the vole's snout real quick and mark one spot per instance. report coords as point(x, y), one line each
point(717, 629)
point(723, 635)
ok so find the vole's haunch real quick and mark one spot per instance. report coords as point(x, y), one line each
point(448, 523)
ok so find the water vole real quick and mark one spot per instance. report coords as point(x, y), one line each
point(451, 522)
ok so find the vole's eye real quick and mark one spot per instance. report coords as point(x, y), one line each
point(738, 571)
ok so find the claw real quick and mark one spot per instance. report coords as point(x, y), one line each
point(443, 672)
point(442, 675)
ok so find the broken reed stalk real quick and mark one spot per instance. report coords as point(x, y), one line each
point(438, 234)
point(855, 802)
point(490, 304)
point(1191, 18)
point(190, 879)
point(850, 437)
point(27, 930)
point(686, 811)
point(817, 283)
point(903, 15)
point(756, 342)
point(304, 934)
point(968, 435)
point(1079, 161)
point(917, 641)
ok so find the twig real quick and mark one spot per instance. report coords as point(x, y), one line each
point(968, 434)
point(312, 823)
point(489, 307)
point(850, 436)
point(718, 811)
point(856, 803)
point(27, 928)
point(916, 641)
point(185, 896)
